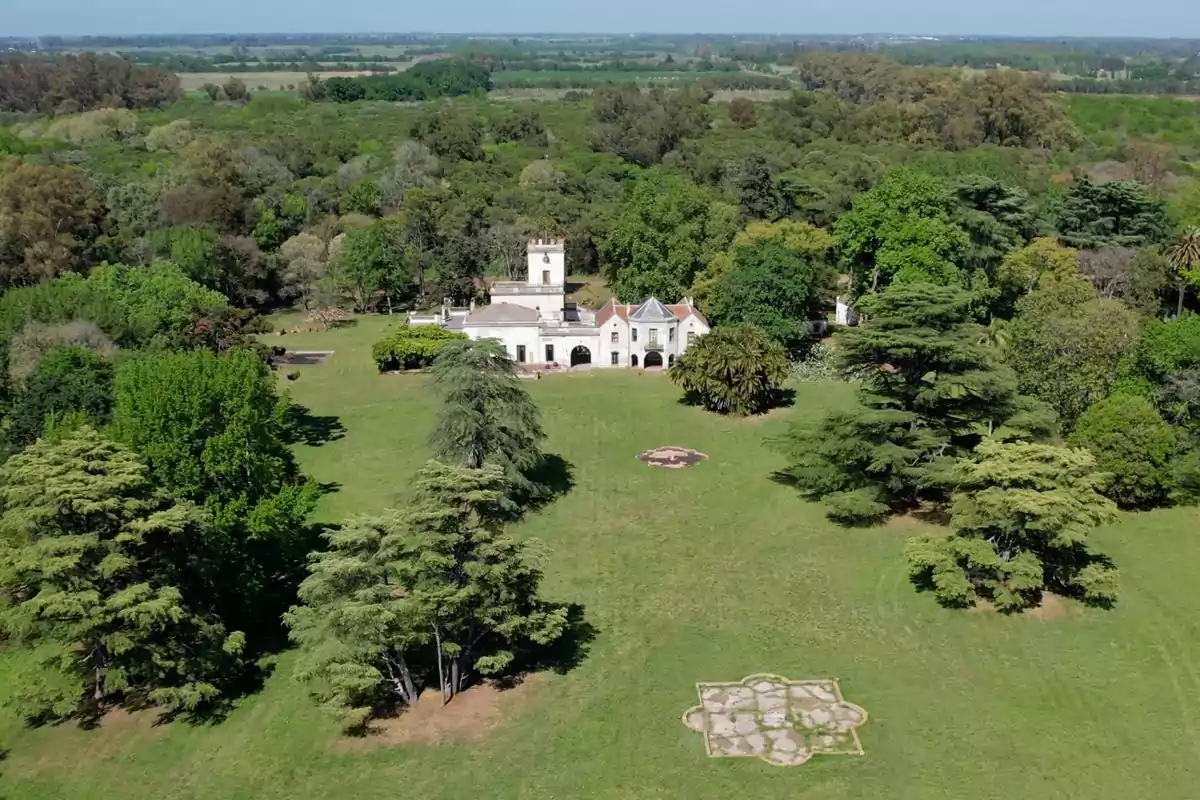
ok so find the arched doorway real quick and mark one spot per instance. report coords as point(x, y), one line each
point(653, 359)
point(633, 361)
point(671, 360)
point(580, 355)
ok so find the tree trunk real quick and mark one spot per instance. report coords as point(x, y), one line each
point(406, 678)
point(455, 677)
point(437, 638)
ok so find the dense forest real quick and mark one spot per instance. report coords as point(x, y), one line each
point(1051, 238)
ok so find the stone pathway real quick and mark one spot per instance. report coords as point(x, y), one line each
point(781, 721)
point(671, 457)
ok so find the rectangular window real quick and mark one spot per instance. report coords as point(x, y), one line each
point(520, 354)
point(670, 334)
point(691, 335)
point(545, 277)
point(654, 337)
point(633, 334)
point(616, 359)
point(615, 337)
point(549, 354)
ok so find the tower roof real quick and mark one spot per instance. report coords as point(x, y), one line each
point(652, 311)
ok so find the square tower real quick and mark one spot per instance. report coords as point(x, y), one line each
point(547, 262)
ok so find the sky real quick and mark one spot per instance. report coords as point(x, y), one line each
point(1151, 18)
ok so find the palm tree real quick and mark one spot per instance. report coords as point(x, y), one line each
point(1184, 258)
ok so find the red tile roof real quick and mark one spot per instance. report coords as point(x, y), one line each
point(680, 310)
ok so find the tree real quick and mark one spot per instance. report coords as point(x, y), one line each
point(998, 218)
point(804, 240)
point(1065, 345)
point(442, 577)
point(1133, 445)
point(486, 416)
point(642, 127)
point(1184, 258)
point(902, 231)
point(1020, 527)
point(669, 229)
point(95, 579)
point(735, 369)
point(213, 431)
point(775, 289)
point(49, 220)
point(413, 166)
point(453, 134)
point(67, 380)
point(930, 392)
point(412, 347)
point(759, 197)
point(742, 113)
point(235, 89)
point(355, 624)
point(1022, 270)
point(1114, 213)
point(1134, 277)
point(307, 262)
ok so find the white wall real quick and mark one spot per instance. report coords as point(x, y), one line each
point(563, 345)
point(511, 336)
point(550, 306)
point(694, 325)
point(537, 254)
point(607, 346)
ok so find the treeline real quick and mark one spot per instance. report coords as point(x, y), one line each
point(1168, 86)
point(70, 83)
point(885, 100)
point(430, 79)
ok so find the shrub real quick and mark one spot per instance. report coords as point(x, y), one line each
point(819, 364)
point(1019, 525)
point(1133, 444)
point(412, 347)
point(67, 380)
point(733, 370)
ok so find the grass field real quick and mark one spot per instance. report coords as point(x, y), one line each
point(274, 81)
point(704, 574)
point(525, 77)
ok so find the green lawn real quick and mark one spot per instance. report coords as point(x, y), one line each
point(704, 574)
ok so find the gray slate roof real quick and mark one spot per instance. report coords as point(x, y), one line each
point(652, 311)
point(501, 312)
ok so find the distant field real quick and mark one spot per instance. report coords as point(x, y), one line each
point(551, 77)
point(275, 81)
point(546, 93)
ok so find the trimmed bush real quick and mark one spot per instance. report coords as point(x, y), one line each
point(412, 347)
point(1133, 444)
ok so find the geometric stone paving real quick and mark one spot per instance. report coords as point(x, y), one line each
point(781, 721)
point(671, 457)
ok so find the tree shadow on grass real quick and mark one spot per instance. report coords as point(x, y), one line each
point(301, 426)
point(560, 656)
point(551, 478)
point(780, 398)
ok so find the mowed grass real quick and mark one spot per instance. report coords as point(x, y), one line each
point(703, 574)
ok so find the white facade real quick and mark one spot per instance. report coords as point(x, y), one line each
point(539, 328)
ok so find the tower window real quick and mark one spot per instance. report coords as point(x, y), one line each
point(545, 277)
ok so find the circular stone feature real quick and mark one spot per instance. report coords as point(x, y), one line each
point(672, 457)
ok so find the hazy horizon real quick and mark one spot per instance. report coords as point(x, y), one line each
point(1178, 19)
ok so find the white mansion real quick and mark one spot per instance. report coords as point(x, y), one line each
point(539, 327)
